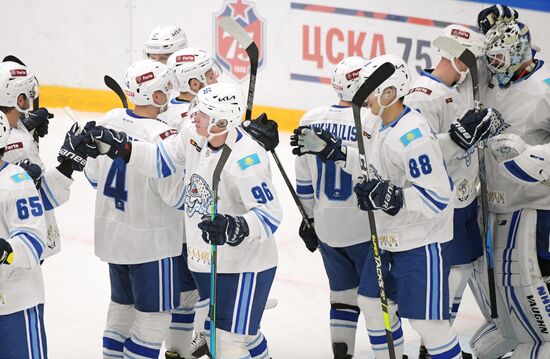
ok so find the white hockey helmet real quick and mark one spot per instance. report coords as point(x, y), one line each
point(165, 40)
point(345, 77)
point(400, 79)
point(192, 63)
point(508, 47)
point(143, 78)
point(222, 103)
point(470, 39)
point(4, 130)
point(16, 79)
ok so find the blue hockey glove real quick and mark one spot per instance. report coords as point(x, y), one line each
point(224, 229)
point(309, 236)
point(6, 252)
point(38, 120)
point(376, 194)
point(316, 141)
point(111, 142)
point(264, 131)
point(476, 126)
point(77, 147)
point(492, 15)
point(33, 170)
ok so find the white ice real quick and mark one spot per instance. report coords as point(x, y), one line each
point(77, 282)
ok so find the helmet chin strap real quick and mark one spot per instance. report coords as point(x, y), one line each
point(382, 107)
point(211, 135)
point(463, 74)
point(163, 107)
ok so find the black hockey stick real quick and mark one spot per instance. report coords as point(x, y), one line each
point(376, 79)
point(233, 28)
point(115, 87)
point(468, 58)
point(35, 101)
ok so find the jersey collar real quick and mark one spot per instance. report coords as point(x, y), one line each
point(339, 106)
point(405, 111)
point(132, 114)
point(176, 101)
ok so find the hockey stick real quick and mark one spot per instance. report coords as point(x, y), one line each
point(468, 58)
point(35, 101)
point(115, 87)
point(376, 79)
point(233, 28)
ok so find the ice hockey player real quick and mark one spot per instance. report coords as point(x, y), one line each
point(326, 192)
point(248, 212)
point(164, 41)
point(442, 95)
point(520, 217)
point(194, 69)
point(138, 225)
point(22, 243)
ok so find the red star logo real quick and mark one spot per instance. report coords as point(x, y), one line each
point(239, 9)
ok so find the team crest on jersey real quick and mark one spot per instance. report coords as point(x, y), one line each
point(198, 196)
point(229, 54)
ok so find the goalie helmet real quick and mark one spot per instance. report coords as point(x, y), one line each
point(508, 47)
point(223, 105)
point(466, 37)
point(345, 77)
point(400, 79)
point(143, 78)
point(192, 63)
point(165, 40)
point(4, 130)
point(16, 79)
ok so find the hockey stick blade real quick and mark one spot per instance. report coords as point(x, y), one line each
point(115, 87)
point(233, 28)
point(380, 75)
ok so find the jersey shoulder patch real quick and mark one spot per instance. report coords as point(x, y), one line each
point(168, 133)
point(410, 136)
point(249, 161)
point(421, 89)
point(20, 177)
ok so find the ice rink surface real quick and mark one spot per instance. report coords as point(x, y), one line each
point(77, 282)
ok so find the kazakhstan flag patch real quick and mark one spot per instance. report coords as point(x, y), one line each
point(248, 161)
point(20, 177)
point(410, 136)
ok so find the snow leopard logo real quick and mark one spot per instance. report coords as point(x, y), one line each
point(198, 196)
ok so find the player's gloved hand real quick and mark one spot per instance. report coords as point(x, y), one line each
point(76, 148)
point(264, 131)
point(111, 142)
point(309, 236)
point(316, 141)
point(377, 194)
point(33, 170)
point(6, 252)
point(38, 120)
point(506, 146)
point(476, 126)
point(492, 15)
point(224, 229)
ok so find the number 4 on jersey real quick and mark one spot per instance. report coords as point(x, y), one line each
point(115, 185)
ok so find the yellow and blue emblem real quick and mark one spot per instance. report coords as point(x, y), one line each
point(20, 177)
point(248, 161)
point(410, 136)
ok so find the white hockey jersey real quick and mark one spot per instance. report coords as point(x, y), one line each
point(440, 105)
point(407, 153)
point(245, 189)
point(55, 187)
point(137, 219)
point(22, 224)
point(525, 106)
point(326, 190)
point(175, 115)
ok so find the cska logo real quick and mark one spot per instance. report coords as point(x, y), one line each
point(229, 54)
point(18, 72)
point(145, 77)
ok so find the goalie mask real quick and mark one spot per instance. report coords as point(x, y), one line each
point(145, 77)
point(222, 104)
point(508, 47)
point(193, 63)
point(16, 80)
point(466, 37)
point(345, 77)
